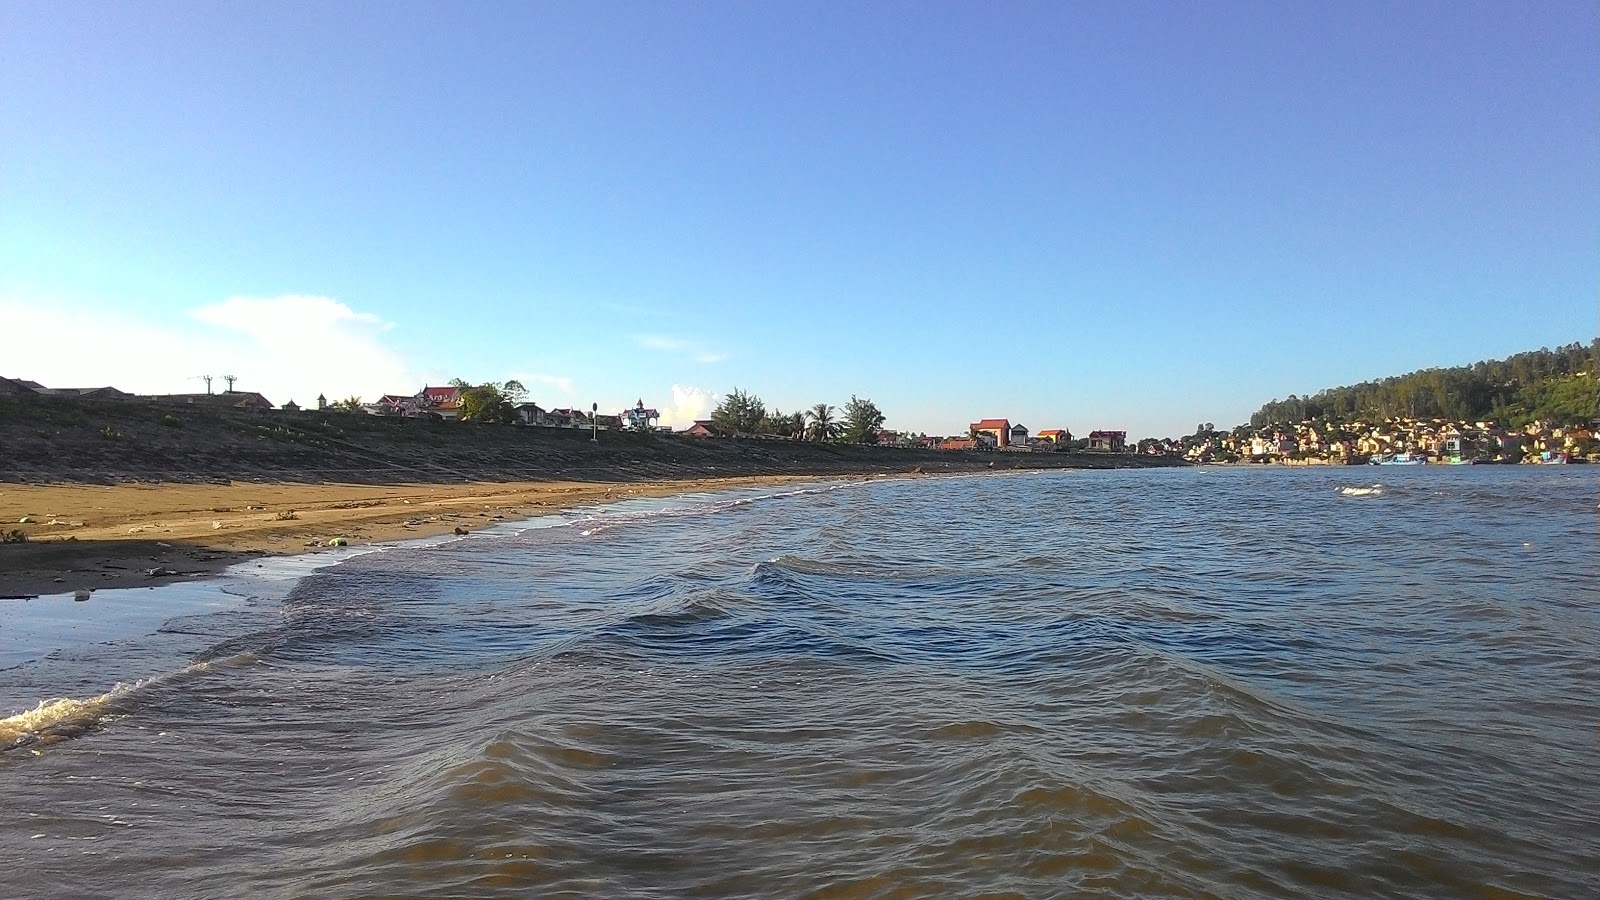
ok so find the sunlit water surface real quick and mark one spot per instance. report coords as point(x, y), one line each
point(1202, 682)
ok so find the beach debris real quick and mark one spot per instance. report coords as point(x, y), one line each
point(460, 530)
point(14, 536)
point(285, 515)
point(216, 524)
point(158, 572)
point(337, 542)
point(163, 544)
point(26, 520)
point(82, 594)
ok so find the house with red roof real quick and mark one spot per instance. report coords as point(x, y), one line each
point(1058, 436)
point(444, 402)
point(1108, 441)
point(998, 430)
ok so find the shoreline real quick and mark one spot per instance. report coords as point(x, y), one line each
point(89, 537)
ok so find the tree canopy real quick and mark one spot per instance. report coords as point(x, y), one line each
point(822, 426)
point(790, 425)
point(862, 421)
point(489, 402)
point(739, 413)
point(1557, 384)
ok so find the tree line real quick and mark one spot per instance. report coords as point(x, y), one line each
point(858, 422)
point(1557, 384)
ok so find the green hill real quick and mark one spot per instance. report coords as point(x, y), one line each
point(1557, 384)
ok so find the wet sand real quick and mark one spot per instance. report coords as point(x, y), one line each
point(138, 535)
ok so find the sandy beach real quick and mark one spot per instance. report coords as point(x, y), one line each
point(136, 535)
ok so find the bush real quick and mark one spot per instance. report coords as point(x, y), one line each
point(111, 434)
point(286, 515)
point(171, 421)
point(14, 536)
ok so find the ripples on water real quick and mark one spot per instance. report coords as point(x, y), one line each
point(1188, 683)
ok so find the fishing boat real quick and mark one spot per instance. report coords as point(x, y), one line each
point(1401, 459)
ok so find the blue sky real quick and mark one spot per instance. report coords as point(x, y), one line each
point(1082, 215)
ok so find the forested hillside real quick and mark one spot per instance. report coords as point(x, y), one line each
point(1557, 384)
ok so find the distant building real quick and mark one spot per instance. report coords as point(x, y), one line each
point(702, 428)
point(529, 414)
point(23, 386)
point(998, 430)
point(640, 417)
point(291, 406)
point(565, 417)
point(1019, 435)
point(1057, 436)
point(444, 402)
point(1108, 441)
point(956, 443)
point(230, 399)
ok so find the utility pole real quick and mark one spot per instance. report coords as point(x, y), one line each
point(207, 380)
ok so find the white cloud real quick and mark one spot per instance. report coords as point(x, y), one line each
point(689, 404)
point(667, 343)
point(287, 347)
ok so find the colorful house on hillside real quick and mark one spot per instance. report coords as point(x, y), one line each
point(1108, 441)
point(1057, 436)
point(998, 430)
point(702, 428)
point(444, 402)
point(1019, 435)
point(639, 418)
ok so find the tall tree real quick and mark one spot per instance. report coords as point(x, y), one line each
point(488, 402)
point(739, 413)
point(821, 424)
point(862, 421)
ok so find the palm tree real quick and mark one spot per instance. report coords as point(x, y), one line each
point(823, 427)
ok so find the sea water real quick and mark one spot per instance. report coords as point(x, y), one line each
point(1197, 682)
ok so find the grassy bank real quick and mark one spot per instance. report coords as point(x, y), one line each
point(48, 439)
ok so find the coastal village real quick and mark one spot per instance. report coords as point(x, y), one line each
point(1392, 440)
point(1397, 440)
point(445, 403)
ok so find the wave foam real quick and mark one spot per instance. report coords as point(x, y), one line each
point(1373, 491)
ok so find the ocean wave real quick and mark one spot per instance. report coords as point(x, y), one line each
point(62, 718)
point(1376, 490)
